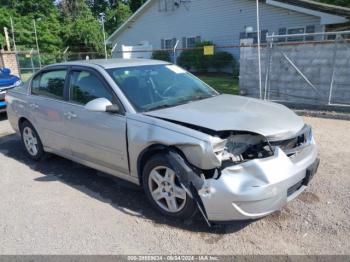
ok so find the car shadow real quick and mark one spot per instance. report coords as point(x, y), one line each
point(120, 194)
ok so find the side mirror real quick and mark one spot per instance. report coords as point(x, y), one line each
point(101, 105)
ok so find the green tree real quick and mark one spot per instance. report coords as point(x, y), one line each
point(48, 25)
point(5, 15)
point(345, 3)
point(82, 31)
point(135, 4)
point(24, 7)
point(99, 6)
point(115, 16)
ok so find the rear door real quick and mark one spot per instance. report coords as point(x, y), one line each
point(47, 106)
point(97, 137)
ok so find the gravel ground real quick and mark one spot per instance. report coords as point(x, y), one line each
point(59, 207)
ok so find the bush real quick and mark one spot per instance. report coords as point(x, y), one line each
point(161, 55)
point(201, 61)
point(221, 60)
point(186, 59)
point(195, 58)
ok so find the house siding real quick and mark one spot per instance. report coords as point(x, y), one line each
point(219, 21)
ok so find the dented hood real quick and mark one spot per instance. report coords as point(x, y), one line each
point(238, 113)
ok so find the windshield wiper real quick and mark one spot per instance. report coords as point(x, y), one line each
point(161, 107)
point(201, 97)
point(181, 102)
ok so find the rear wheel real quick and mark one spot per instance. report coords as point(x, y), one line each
point(164, 190)
point(31, 141)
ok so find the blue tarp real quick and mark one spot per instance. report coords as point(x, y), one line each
point(6, 79)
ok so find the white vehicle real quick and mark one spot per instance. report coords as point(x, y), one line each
point(158, 126)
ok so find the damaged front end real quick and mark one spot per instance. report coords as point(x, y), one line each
point(257, 175)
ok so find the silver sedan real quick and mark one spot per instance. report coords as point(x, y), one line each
point(156, 125)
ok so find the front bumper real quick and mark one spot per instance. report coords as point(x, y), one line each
point(257, 188)
point(2, 101)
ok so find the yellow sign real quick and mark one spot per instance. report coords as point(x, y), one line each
point(209, 50)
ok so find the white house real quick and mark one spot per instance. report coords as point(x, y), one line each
point(159, 24)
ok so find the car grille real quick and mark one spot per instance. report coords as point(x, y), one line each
point(293, 145)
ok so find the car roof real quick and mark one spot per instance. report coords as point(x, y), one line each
point(115, 62)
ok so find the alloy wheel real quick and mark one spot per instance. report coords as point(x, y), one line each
point(30, 141)
point(165, 189)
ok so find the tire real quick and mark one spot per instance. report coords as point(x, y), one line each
point(166, 189)
point(31, 141)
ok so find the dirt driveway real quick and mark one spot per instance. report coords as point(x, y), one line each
point(59, 207)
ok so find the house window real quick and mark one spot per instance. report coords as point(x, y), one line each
point(168, 43)
point(191, 42)
point(331, 37)
point(282, 31)
point(294, 31)
point(310, 29)
point(297, 30)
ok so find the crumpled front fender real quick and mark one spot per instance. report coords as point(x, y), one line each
point(196, 146)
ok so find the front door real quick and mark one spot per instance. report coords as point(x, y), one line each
point(97, 137)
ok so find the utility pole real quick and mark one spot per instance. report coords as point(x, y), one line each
point(259, 46)
point(13, 34)
point(37, 43)
point(7, 39)
point(102, 19)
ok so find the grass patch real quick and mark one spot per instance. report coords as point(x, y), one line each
point(223, 83)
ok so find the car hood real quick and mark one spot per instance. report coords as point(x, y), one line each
point(236, 113)
point(8, 81)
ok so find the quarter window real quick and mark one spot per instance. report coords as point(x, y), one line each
point(50, 84)
point(85, 86)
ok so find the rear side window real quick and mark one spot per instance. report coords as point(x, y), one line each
point(85, 86)
point(50, 84)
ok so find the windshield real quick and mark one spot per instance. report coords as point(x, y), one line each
point(159, 86)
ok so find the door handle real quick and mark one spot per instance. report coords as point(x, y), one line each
point(70, 115)
point(34, 106)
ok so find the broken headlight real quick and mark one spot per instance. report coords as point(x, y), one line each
point(243, 147)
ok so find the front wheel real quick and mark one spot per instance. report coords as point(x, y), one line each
point(31, 141)
point(164, 191)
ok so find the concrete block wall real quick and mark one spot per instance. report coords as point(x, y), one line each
point(315, 61)
point(9, 60)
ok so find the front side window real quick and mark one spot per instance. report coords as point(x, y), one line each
point(50, 84)
point(154, 87)
point(85, 86)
